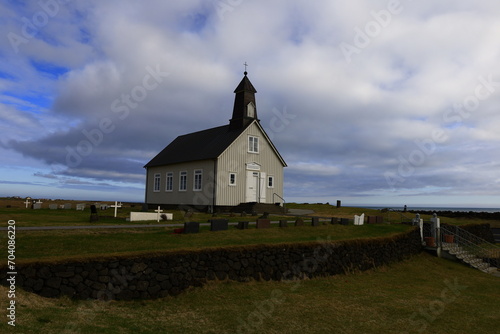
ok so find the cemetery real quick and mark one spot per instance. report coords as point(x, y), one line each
point(193, 253)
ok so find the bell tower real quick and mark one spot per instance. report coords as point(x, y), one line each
point(245, 109)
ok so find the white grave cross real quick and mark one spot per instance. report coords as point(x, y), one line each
point(116, 206)
point(27, 203)
point(158, 214)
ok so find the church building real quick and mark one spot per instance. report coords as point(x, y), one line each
point(219, 167)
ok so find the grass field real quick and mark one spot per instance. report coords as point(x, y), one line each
point(422, 295)
point(60, 244)
point(15, 210)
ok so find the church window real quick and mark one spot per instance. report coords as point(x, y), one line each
point(157, 180)
point(198, 175)
point(170, 182)
point(251, 110)
point(183, 181)
point(232, 179)
point(253, 144)
point(270, 181)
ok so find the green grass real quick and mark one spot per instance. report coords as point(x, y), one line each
point(404, 297)
point(47, 217)
point(60, 244)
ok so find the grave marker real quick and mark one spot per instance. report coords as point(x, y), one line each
point(53, 206)
point(27, 203)
point(191, 227)
point(359, 220)
point(263, 223)
point(37, 205)
point(299, 222)
point(242, 225)
point(116, 206)
point(283, 223)
point(80, 206)
point(334, 220)
point(315, 221)
point(93, 213)
point(218, 225)
point(158, 211)
point(68, 206)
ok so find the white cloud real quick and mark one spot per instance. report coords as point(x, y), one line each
point(352, 120)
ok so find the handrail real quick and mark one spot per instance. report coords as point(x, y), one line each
point(275, 194)
point(481, 248)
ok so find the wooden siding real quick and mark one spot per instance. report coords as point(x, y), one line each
point(187, 197)
point(235, 159)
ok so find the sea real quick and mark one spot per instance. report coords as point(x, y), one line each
point(431, 208)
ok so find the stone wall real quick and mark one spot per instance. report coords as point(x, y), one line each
point(159, 275)
point(482, 231)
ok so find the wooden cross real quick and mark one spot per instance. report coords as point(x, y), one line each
point(116, 206)
point(158, 214)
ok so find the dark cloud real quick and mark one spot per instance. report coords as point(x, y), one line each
point(408, 110)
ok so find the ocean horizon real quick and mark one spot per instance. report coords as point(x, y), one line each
point(429, 208)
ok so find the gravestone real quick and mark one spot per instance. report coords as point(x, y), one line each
point(218, 225)
point(283, 223)
point(37, 206)
point(116, 206)
point(104, 206)
point(80, 206)
point(344, 221)
point(191, 227)
point(375, 219)
point(263, 223)
point(67, 206)
point(158, 212)
point(93, 213)
point(53, 206)
point(299, 222)
point(315, 221)
point(334, 220)
point(242, 225)
point(359, 220)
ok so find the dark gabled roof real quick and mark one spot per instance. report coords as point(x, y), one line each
point(201, 145)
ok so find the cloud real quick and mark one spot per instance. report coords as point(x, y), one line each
point(75, 95)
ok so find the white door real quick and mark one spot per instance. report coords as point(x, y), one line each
point(252, 186)
point(262, 189)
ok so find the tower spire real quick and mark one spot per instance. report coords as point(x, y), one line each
point(244, 110)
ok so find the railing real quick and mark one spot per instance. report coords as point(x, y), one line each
point(284, 203)
point(468, 246)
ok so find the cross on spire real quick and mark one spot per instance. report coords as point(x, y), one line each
point(245, 64)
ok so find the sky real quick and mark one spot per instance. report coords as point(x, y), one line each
point(383, 103)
